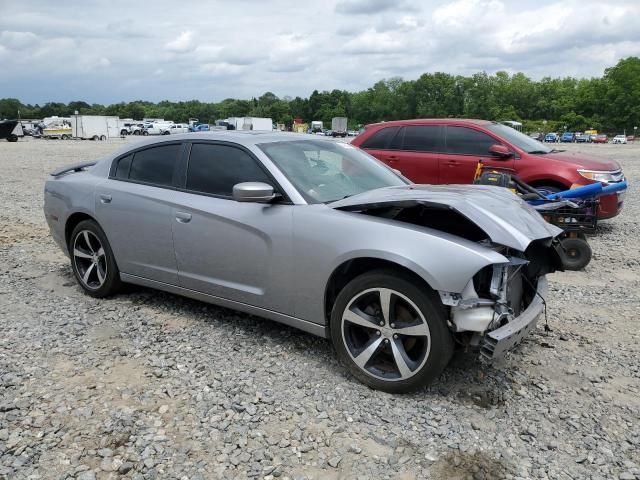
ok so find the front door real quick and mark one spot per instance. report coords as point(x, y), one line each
point(464, 148)
point(235, 250)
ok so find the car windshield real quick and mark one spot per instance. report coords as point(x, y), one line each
point(518, 139)
point(326, 171)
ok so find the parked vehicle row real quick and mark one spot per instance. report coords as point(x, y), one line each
point(579, 137)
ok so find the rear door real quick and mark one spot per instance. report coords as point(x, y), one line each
point(134, 208)
point(464, 147)
point(417, 151)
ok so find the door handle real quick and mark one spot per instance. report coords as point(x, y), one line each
point(105, 198)
point(392, 158)
point(183, 217)
point(453, 163)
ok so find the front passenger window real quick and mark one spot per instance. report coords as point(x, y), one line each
point(466, 141)
point(215, 169)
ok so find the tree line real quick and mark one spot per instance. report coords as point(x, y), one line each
point(610, 103)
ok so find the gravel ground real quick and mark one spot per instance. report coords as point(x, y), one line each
point(150, 385)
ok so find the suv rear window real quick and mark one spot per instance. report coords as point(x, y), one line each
point(422, 138)
point(380, 139)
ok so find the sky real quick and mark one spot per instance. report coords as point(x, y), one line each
point(112, 51)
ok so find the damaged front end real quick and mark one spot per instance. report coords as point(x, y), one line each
point(501, 304)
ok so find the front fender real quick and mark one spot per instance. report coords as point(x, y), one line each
point(327, 238)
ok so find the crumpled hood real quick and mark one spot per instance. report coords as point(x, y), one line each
point(499, 212)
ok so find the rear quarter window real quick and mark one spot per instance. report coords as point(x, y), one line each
point(381, 139)
point(154, 165)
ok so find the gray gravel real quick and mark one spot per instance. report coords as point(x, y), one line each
point(149, 385)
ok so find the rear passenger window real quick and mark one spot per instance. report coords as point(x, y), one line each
point(122, 169)
point(155, 165)
point(422, 138)
point(215, 169)
point(465, 141)
point(380, 139)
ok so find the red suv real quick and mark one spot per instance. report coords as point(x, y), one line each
point(448, 150)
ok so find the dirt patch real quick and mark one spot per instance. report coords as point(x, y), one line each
point(12, 233)
point(460, 466)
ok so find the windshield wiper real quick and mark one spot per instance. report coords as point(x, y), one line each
point(540, 152)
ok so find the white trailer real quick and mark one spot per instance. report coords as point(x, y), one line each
point(339, 127)
point(251, 123)
point(316, 126)
point(95, 127)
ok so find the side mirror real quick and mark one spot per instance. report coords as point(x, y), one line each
point(500, 151)
point(258, 192)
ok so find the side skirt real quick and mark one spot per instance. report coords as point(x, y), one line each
point(310, 327)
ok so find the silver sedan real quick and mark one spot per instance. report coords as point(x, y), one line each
point(315, 234)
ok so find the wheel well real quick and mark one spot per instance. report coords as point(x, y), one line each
point(72, 221)
point(350, 269)
point(548, 183)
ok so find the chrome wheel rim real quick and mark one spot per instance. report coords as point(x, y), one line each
point(90, 260)
point(386, 334)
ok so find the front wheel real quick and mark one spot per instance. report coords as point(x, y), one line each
point(390, 331)
point(577, 253)
point(12, 138)
point(103, 137)
point(92, 260)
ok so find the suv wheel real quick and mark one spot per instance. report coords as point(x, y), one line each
point(92, 260)
point(389, 332)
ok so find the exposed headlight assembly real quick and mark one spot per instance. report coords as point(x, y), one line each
point(598, 176)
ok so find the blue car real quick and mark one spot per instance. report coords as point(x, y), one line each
point(202, 127)
point(567, 137)
point(551, 137)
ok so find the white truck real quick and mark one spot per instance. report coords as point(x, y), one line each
point(175, 128)
point(95, 127)
point(339, 127)
point(157, 128)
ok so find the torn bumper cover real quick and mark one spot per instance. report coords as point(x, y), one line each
point(499, 341)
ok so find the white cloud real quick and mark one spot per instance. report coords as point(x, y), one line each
point(18, 40)
point(182, 44)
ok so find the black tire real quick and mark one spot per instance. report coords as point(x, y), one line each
point(166, 132)
point(12, 138)
point(124, 132)
point(577, 253)
point(105, 262)
point(95, 138)
point(145, 133)
point(428, 354)
point(103, 137)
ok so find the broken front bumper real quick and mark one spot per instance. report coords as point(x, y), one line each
point(499, 341)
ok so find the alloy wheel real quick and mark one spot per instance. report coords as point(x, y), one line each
point(89, 259)
point(386, 334)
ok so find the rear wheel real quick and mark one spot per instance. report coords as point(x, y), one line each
point(12, 138)
point(95, 138)
point(103, 137)
point(92, 260)
point(389, 332)
point(145, 133)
